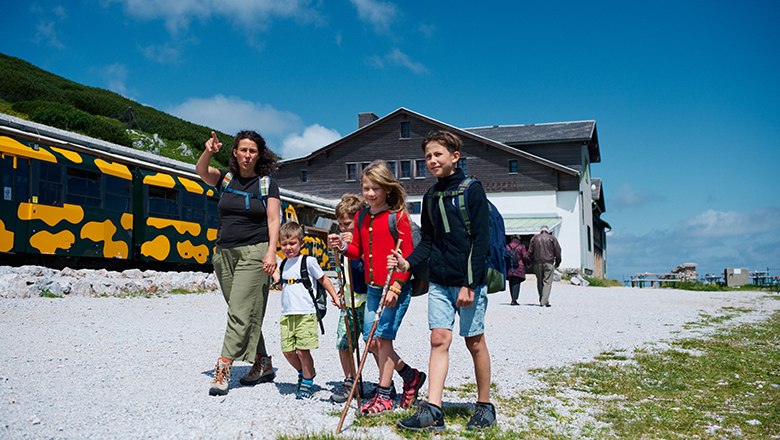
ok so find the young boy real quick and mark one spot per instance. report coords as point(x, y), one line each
point(299, 315)
point(349, 205)
point(458, 270)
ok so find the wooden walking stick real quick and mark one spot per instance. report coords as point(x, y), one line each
point(347, 324)
point(368, 343)
point(347, 276)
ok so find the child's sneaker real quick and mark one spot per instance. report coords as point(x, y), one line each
point(304, 391)
point(427, 418)
point(219, 385)
point(262, 371)
point(412, 389)
point(484, 416)
point(377, 405)
point(341, 394)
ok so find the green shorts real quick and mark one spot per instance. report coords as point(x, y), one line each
point(299, 332)
point(341, 332)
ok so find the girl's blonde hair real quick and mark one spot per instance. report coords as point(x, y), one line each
point(379, 173)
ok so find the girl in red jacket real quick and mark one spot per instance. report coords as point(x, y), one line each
point(373, 242)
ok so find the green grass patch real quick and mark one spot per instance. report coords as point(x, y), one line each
point(727, 385)
point(49, 294)
point(180, 291)
point(603, 282)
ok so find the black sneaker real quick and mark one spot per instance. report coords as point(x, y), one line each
point(484, 416)
point(428, 417)
point(341, 393)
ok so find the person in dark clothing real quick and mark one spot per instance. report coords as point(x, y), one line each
point(545, 252)
point(516, 274)
point(245, 252)
point(458, 272)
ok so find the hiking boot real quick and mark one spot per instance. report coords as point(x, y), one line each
point(262, 371)
point(341, 394)
point(412, 389)
point(484, 416)
point(219, 385)
point(428, 417)
point(304, 391)
point(376, 406)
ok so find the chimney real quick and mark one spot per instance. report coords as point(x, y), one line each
point(366, 118)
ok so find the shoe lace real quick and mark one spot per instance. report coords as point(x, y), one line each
point(221, 373)
point(263, 365)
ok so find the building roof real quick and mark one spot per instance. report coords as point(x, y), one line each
point(555, 132)
point(459, 131)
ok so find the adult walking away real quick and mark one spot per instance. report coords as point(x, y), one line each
point(545, 252)
point(520, 263)
point(458, 277)
point(245, 254)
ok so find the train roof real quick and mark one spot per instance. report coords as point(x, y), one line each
point(44, 133)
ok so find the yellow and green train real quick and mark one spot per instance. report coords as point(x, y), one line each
point(77, 201)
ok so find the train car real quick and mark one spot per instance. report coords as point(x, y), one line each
point(73, 200)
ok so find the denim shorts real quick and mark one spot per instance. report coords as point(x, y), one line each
point(391, 317)
point(441, 310)
point(341, 331)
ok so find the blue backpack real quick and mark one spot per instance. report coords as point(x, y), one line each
point(497, 254)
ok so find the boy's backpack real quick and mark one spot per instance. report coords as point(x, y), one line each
point(262, 189)
point(497, 253)
point(419, 276)
point(320, 300)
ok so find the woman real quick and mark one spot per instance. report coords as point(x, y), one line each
point(245, 255)
point(516, 274)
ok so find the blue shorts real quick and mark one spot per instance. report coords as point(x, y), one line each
point(391, 317)
point(441, 310)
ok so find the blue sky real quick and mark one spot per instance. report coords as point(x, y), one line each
point(686, 95)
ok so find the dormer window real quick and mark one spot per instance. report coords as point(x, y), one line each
point(406, 129)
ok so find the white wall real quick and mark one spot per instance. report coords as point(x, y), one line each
point(565, 204)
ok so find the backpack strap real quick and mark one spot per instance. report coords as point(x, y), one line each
point(461, 202)
point(304, 279)
point(392, 223)
point(263, 185)
point(362, 215)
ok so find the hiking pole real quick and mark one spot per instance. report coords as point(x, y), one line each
point(356, 350)
point(350, 335)
point(368, 343)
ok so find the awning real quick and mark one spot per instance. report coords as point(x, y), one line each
point(529, 225)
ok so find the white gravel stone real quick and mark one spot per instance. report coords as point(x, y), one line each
point(138, 367)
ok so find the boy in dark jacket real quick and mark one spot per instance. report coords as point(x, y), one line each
point(458, 271)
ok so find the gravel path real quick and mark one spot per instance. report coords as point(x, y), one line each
point(82, 367)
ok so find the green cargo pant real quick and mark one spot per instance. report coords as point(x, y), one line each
point(245, 288)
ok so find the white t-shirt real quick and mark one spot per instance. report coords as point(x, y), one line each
point(296, 300)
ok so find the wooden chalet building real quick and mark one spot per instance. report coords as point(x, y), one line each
point(536, 174)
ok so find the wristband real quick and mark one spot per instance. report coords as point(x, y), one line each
point(395, 290)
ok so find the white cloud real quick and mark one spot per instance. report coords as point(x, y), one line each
point(378, 14)
point(46, 32)
point(314, 137)
point(162, 53)
point(115, 77)
point(178, 14)
point(628, 197)
point(397, 58)
point(713, 239)
point(231, 114)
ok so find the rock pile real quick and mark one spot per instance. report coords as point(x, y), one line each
point(31, 281)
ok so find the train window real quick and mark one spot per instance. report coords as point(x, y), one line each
point(50, 184)
point(163, 202)
point(22, 187)
point(117, 193)
point(212, 212)
point(83, 188)
point(192, 208)
point(7, 172)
